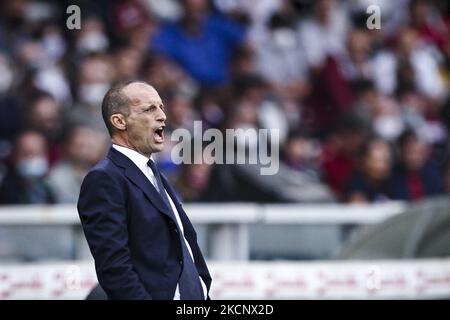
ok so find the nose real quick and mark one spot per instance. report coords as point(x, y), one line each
point(161, 116)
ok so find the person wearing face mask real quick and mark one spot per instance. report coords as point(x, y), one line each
point(25, 181)
point(43, 114)
point(94, 78)
point(280, 57)
point(92, 37)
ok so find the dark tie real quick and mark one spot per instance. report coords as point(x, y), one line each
point(189, 282)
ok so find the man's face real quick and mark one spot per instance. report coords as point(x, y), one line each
point(146, 121)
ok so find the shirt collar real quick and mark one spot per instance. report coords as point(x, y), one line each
point(138, 159)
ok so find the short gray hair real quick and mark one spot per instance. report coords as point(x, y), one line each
point(115, 101)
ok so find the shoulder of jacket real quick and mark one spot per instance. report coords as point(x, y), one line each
point(105, 169)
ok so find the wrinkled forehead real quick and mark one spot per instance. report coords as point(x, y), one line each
point(142, 94)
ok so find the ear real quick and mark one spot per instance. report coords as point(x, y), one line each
point(118, 121)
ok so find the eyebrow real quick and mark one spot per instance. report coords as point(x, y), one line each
point(153, 104)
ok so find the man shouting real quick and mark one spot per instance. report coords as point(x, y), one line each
point(143, 243)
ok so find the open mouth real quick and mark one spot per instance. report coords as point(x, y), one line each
point(159, 134)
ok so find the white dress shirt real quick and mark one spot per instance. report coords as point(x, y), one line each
point(141, 162)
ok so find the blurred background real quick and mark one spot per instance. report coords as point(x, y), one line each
point(360, 207)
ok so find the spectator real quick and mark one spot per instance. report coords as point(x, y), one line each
point(131, 22)
point(243, 62)
point(193, 182)
point(416, 115)
point(25, 181)
point(301, 153)
point(323, 33)
point(92, 37)
point(365, 100)
point(44, 115)
point(387, 121)
point(180, 112)
point(128, 61)
point(410, 65)
point(95, 76)
point(202, 42)
point(354, 63)
point(428, 22)
point(257, 106)
point(167, 76)
point(209, 104)
point(339, 156)
point(280, 56)
point(370, 182)
point(83, 148)
point(47, 61)
point(415, 175)
point(333, 92)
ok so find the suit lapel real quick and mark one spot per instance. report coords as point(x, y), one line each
point(187, 225)
point(135, 175)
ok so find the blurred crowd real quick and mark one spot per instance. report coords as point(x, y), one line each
point(363, 115)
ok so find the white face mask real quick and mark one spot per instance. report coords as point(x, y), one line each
point(92, 94)
point(284, 38)
point(33, 168)
point(388, 127)
point(92, 42)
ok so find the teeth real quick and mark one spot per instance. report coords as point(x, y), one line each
point(160, 133)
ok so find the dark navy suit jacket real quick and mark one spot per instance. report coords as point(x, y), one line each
point(131, 233)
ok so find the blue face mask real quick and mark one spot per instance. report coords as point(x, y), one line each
point(33, 168)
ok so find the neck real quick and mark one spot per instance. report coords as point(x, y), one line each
point(122, 142)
